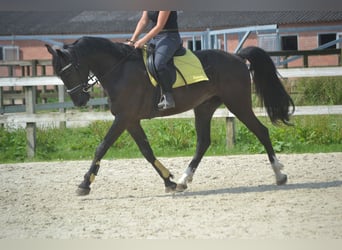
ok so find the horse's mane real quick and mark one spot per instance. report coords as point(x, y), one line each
point(100, 44)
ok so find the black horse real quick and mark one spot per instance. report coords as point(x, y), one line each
point(131, 97)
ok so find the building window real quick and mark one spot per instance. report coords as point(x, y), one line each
point(198, 45)
point(289, 43)
point(268, 42)
point(325, 38)
point(339, 45)
point(9, 53)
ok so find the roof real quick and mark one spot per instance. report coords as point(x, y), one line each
point(97, 22)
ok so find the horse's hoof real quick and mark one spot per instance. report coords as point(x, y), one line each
point(170, 186)
point(181, 187)
point(82, 191)
point(170, 189)
point(282, 181)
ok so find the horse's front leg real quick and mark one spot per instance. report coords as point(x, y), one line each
point(141, 140)
point(113, 133)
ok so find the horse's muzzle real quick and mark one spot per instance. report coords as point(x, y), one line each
point(80, 99)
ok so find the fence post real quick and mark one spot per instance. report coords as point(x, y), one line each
point(1, 97)
point(306, 61)
point(62, 124)
point(286, 65)
point(30, 103)
point(230, 128)
point(1, 104)
point(30, 99)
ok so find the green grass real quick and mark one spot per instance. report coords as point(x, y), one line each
point(310, 134)
point(177, 137)
point(174, 137)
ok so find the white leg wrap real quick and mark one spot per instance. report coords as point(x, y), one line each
point(187, 176)
point(277, 166)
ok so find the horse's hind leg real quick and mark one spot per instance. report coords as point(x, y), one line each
point(203, 115)
point(246, 115)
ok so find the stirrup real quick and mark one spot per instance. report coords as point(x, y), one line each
point(166, 102)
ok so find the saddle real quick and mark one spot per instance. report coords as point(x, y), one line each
point(188, 67)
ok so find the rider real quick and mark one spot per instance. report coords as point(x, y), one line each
point(165, 36)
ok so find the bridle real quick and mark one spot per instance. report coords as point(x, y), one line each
point(92, 79)
point(85, 86)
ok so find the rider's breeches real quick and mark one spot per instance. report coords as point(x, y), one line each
point(166, 46)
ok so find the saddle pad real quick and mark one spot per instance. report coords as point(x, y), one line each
point(190, 67)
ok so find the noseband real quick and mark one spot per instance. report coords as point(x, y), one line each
point(92, 79)
point(85, 86)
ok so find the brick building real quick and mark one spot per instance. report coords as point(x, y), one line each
point(23, 34)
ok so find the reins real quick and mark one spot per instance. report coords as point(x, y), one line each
point(118, 63)
point(92, 79)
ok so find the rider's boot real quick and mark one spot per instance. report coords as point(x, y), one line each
point(166, 102)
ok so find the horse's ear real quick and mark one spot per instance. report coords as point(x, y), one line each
point(51, 50)
point(57, 52)
point(62, 53)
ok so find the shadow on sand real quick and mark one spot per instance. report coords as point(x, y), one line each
point(232, 190)
point(263, 188)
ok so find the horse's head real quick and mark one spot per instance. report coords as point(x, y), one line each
point(73, 74)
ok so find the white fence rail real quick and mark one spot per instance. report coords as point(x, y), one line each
point(87, 117)
point(53, 80)
point(31, 118)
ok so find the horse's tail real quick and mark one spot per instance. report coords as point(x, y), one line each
point(268, 85)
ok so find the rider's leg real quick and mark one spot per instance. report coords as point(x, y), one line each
point(166, 46)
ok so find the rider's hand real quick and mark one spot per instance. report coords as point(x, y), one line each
point(139, 44)
point(130, 42)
